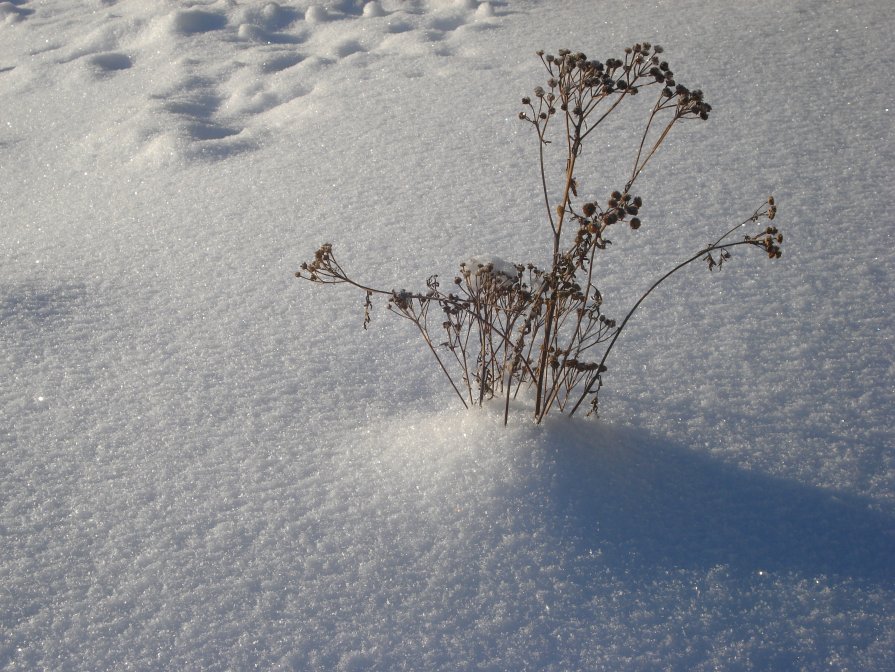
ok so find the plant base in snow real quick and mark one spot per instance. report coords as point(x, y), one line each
point(500, 328)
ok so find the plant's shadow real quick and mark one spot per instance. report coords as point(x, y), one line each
point(664, 505)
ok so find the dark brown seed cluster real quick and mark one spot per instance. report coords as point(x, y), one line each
point(572, 363)
point(691, 103)
point(321, 262)
point(621, 205)
point(771, 240)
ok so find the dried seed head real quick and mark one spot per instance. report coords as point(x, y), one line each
point(588, 209)
point(634, 223)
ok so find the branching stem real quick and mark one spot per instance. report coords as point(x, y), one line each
point(506, 331)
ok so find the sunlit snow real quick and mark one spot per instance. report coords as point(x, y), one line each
point(208, 464)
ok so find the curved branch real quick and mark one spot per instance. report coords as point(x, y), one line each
point(698, 255)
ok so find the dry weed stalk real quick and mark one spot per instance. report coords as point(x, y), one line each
point(506, 327)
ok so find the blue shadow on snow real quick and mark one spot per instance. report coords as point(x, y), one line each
point(664, 505)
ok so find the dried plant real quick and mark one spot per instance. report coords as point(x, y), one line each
point(501, 328)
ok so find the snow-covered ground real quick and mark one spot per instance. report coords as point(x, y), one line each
point(207, 464)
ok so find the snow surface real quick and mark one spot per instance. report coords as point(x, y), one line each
point(207, 464)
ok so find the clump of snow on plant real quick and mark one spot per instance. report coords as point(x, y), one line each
point(501, 271)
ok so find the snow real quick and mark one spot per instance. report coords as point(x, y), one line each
point(207, 464)
point(502, 271)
